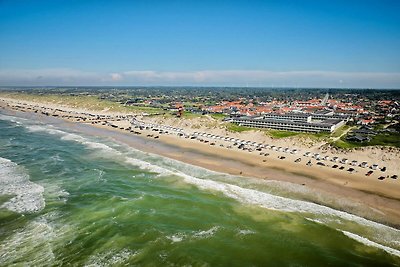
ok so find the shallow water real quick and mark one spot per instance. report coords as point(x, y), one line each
point(71, 199)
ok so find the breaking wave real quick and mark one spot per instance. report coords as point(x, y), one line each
point(370, 243)
point(14, 181)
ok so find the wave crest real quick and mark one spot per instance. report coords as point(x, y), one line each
point(14, 181)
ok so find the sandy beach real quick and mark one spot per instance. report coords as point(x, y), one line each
point(379, 198)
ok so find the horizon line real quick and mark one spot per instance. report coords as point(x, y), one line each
point(190, 86)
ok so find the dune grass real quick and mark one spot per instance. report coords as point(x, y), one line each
point(81, 101)
point(276, 133)
point(382, 139)
point(237, 128)
point(285, 134)
point(341, 130)
point(190, 115)
point(218, 116)
point(281, 134)
point(386, 139)
point(345, 144)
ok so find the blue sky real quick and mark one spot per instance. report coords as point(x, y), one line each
point(233, 43)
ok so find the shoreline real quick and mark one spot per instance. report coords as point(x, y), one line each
point(381, 197)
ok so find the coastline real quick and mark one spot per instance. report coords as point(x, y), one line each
point(382, 197)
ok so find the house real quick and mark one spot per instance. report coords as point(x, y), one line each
point(358, 138)
point(363, 132)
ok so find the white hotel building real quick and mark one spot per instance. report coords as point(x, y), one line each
point(298, 122)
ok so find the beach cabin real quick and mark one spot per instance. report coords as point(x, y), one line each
point(363, 164)
point(317, 156)
point(374, 166)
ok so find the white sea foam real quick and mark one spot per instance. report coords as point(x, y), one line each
point(14, 181)
point(34, 239)
point(315, 220)
point(246, 232)
point(48, 129)
point(16, 120)
point(201, 234)
point(87, 143)
point(144, 165)
point(175, 238)
point(370, 243)
point(72, 137)
point(206, 233)
point(111, 258)
point(57, 158)
point(39, 237)
point(55, 192)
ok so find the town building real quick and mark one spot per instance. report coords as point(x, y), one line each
point(290, 122)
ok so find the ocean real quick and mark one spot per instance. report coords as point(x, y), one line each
point(70, 198)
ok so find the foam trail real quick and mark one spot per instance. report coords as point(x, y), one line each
point(14, 181)
point(370, 243)
point(40, 237)
point(32, 240)
point(16, 120)
point(72, 137)
point(111, 258)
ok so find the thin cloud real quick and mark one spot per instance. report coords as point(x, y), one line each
point(203, 78)
point(116, 76)
point(266, 78)
point(47, 77)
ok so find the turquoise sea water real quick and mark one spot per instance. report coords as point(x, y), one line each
point(67, 198)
